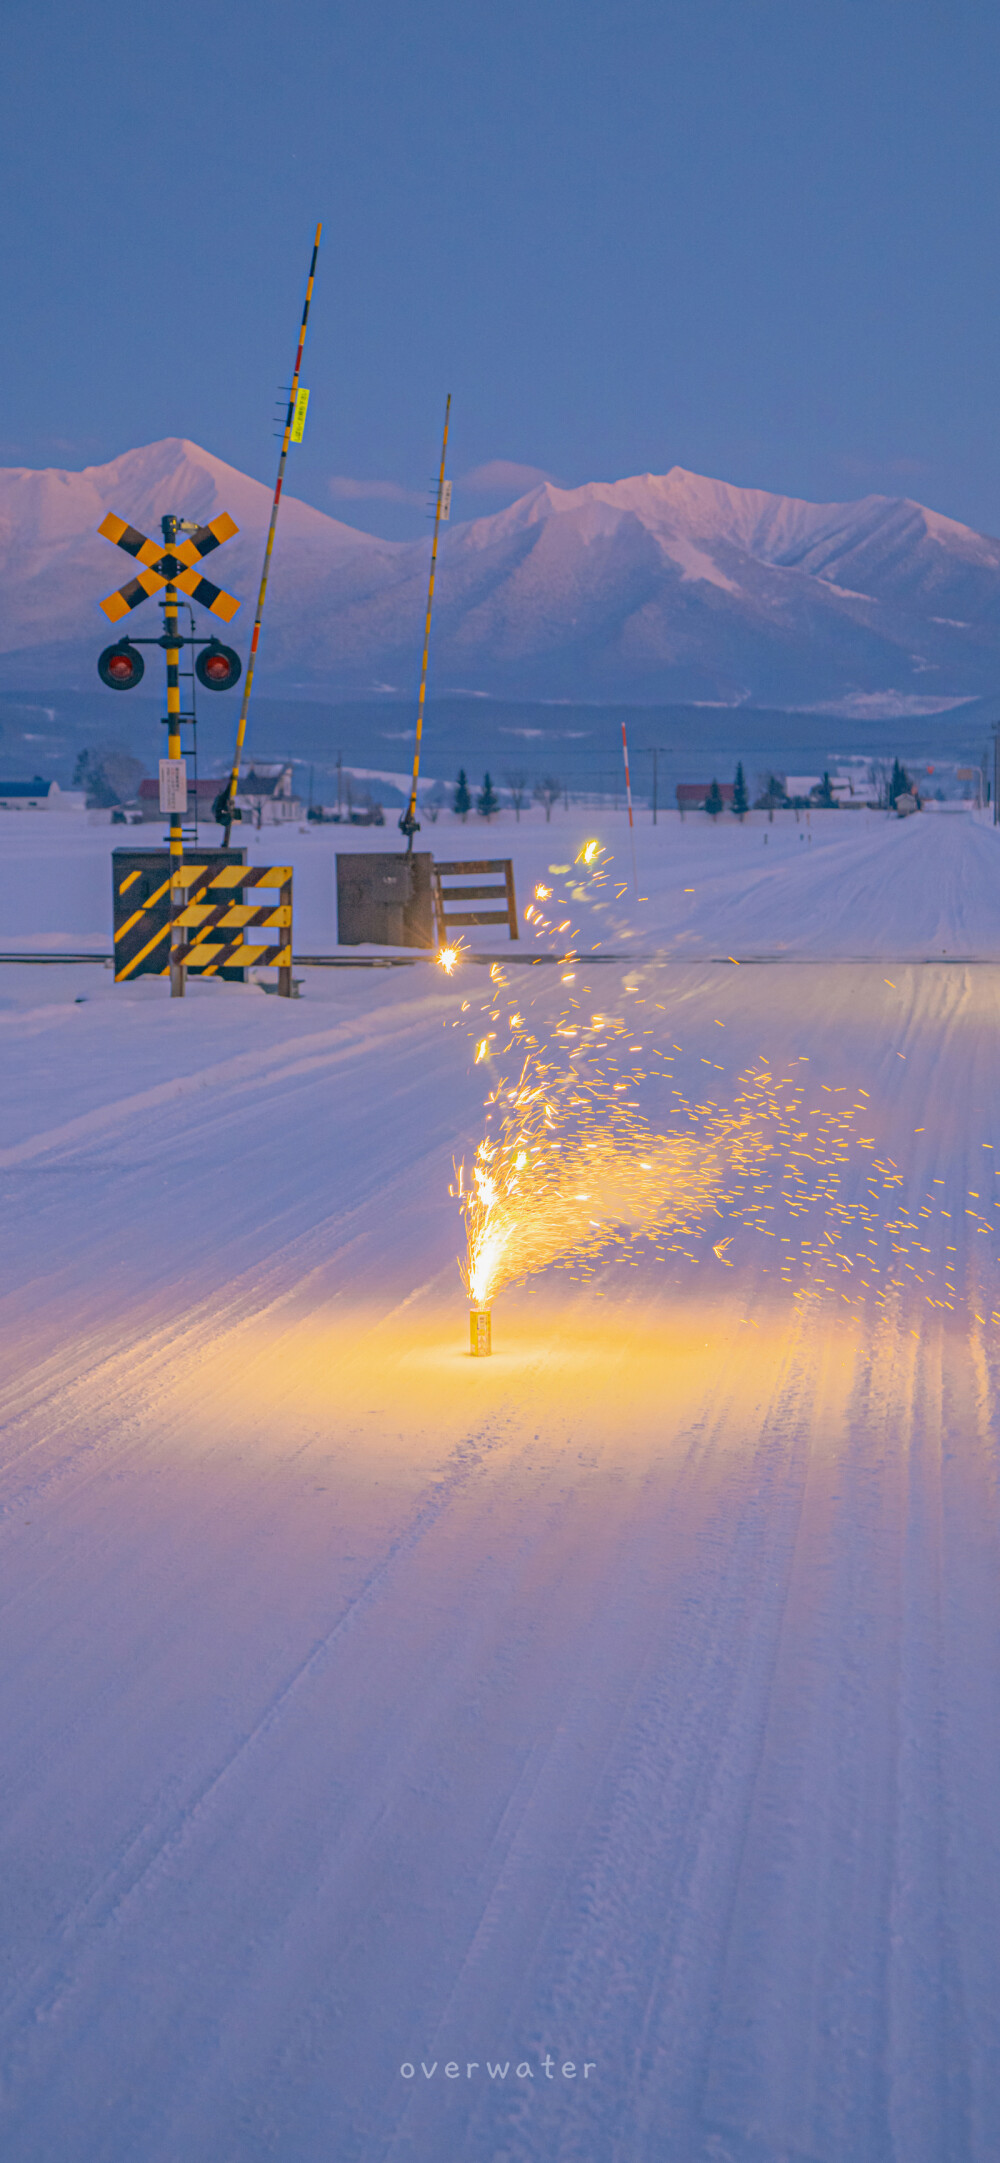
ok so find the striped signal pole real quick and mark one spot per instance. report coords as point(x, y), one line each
point(442, 508)
point(223, 806)
point(631, 821)
point(173, 751)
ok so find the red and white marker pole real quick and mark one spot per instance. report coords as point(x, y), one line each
point(631, 821)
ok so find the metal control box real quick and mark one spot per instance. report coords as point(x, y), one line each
point(385, 899)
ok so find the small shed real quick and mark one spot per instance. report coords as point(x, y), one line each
point(38, 795)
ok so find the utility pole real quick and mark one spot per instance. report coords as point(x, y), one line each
point(654, 751)
point(631, 821)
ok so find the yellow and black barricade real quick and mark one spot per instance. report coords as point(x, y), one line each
point(141, 898)
point(218, 931)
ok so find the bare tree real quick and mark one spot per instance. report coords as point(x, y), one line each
point(110, 775)
point(517, 790)
point(880, 777)
point(547, 792)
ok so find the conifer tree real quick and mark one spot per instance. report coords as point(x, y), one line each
point(463, 801)
point(741, 801)
point(713, 801)
point(900, 785)
point(487, 801)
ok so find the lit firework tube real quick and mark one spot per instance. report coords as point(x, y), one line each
point(480, 1332)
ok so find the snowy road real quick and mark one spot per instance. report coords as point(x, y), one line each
point(628, 1703)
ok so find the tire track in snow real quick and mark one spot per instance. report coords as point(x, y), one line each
point(662, 1843)
point(265, 1067)
point(549, 1852)
point(156, 1846)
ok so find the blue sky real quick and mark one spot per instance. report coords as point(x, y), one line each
point(758, 238)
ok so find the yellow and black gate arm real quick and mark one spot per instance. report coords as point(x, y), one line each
point(408, 823)
point(223, 806)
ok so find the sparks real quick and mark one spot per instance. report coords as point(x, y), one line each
point(571, 1172)
point(563, 1148)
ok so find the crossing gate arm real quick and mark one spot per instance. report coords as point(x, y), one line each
point(217, 933)
point(500, 872)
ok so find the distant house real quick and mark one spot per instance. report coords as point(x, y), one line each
point(693, 795)
point(39, 795)
point(366, 814)
point(264, 796)
point(847, 789)
point(853, 793)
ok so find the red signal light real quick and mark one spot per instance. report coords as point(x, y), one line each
point(218, 667)
point(121, 667)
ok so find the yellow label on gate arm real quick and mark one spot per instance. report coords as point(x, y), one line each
point(299, 421)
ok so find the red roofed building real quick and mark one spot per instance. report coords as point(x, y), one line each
point(208, 788)
point(692, 795)
point(264, 796)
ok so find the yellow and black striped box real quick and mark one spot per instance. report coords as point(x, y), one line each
point(141, 892)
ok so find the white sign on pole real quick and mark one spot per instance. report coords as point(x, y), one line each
point(445, 511)
point(173, 785)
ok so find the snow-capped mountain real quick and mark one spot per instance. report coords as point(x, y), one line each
point(55, 568)
point(656, 588)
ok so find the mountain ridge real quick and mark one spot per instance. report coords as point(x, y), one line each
point(653, 587)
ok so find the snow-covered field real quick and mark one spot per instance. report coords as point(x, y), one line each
point(853, 885)
point(623, 1711)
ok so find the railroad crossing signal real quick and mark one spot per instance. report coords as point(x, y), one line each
point(121, 667)
point(218, 667)
point(171, 566)
point(176, 566)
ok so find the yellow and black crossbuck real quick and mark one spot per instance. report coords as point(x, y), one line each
point(175, 566)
